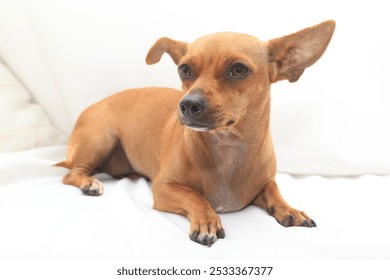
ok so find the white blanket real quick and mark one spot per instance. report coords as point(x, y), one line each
point(42, 218)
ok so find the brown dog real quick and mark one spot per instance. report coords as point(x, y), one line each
point(207, 148)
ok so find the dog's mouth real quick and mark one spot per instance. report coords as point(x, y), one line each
point(195, 125)
point(206, 125)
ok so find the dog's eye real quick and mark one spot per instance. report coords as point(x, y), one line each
point(238, 70)
point(185, 71)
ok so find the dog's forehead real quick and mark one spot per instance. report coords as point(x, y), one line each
point(226, 43)
point(224, 39)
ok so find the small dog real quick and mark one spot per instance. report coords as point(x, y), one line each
point(207, 148)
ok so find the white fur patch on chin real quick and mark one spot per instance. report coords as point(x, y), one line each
point(199, 128)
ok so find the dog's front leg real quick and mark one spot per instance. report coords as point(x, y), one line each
point(271, 200)
point(206, 226)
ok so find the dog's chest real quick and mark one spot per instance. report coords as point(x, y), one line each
point(226, 193)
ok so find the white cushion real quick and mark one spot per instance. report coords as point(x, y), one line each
point(23, 124)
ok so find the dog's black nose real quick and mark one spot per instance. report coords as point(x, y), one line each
point(192, 105)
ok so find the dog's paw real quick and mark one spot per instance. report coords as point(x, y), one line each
point(291, 217)
point(206, 230)
point(93, 187)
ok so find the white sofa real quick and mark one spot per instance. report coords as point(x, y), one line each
point(331, 130)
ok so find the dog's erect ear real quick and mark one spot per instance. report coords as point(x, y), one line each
point(175, 49)
point(290, 55)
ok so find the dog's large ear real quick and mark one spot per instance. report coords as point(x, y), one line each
point(290, 55)
point(175, 49)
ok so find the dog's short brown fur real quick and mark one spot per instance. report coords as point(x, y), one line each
point(207, 148)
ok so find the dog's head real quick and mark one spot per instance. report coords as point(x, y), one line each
point(225, 75)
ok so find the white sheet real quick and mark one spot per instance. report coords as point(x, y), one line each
point(41, 218)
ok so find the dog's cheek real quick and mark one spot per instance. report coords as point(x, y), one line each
point(215, 116)
point(241, 100)
point(257, 93)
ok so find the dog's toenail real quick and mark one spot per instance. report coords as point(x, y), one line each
point(221, 233)
point(206, 240)
point(210, 241)
point(288, 221)
point(194, 235)
point(305, 223)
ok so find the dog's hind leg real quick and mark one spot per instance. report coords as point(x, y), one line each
point(88, 150)
point(80, 176)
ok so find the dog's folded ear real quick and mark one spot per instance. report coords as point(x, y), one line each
point(290, 55)
point(175, 49)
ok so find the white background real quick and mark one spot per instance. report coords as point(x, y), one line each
point(333, 121)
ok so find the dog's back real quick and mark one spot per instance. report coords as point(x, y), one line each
point(98, 127)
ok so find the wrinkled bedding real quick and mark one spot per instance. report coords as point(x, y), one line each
point(42, 218)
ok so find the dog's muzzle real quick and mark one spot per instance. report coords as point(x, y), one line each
point(192, 110)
